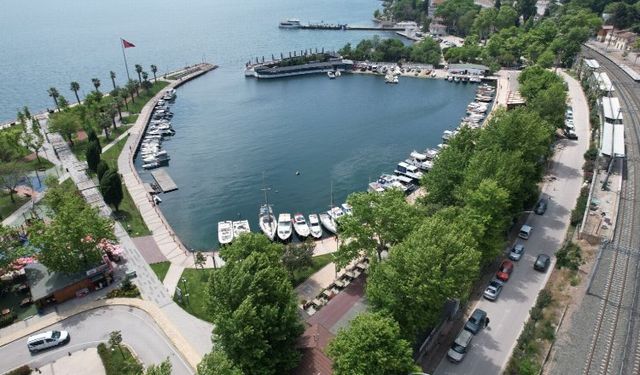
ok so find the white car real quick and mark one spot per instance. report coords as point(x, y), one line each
point(47, 340)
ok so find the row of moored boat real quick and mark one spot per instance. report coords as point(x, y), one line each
point(151, 152)
point(285, 225)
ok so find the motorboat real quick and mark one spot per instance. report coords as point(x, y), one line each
point(456, 79)
point(447, 135)
point(335, 213)
point(225, 232)
point(331, 74)
point(240, 227)
point(268, 223)
point(408, 170)
point(390, 78)
point(151, 165)
point(418, 156)
point(338, 74)
point(347, 209)
point(314, 226)
point(328, 223)
point(300, 226)
point(284, 227)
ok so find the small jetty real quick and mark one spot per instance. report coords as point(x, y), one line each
point(165, 181)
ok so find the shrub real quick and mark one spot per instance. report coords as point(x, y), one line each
point(8, 319)
point(544, 299)
point(569, 257)
point(22, 370)
point(591, 154)
point(126, 290)
point(581, 206)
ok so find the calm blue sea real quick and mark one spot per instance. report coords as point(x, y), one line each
point(232, 130)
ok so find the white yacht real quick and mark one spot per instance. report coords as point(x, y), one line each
point(328, 223)
point(314, 226)
point(390, 78)
point(291, 23)
point(268, 223)
point(284, 227)
point(346, 207)
point(225, 232)
point(300, 226)
point(240, 227)
point(331, 74)
point(335, 213)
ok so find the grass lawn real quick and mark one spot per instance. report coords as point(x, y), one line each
point(7, 207)
point(144, 96)
point(79, 148)
point(160, 269)
point(119, 362)
point(130, 120)
point(111, 155)
point(196, 281)
point(129, 216)
point(320, 261)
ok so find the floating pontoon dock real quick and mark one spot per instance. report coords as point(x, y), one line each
point(164, 180)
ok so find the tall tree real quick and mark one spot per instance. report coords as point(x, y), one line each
point(53, 93)
point(154, 70)
point(138, 68)
point(96, 83)
point(104, 122)
point(111, 188)
point(69, 242)
point(217, 363)
point(93, 155)
point(32, 138)
point(436, 262)
point(112, 75)
point(253, 308)
point(10, 146)
point(11, 175)
point(101, 169)
point(371, 344)
point(146, 84)
point(378, 222)
point(75, 86)
point(123, 93)
point(163, 368)
point(132, 88)
point(115, 339)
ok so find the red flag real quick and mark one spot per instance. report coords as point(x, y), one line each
point(127, 44)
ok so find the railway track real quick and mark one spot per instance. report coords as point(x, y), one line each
point(615, 344)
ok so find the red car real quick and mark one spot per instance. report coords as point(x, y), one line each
point(505, 270)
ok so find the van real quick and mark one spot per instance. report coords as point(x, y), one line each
point(460, 346)
point(525, 232)
point(47, 340)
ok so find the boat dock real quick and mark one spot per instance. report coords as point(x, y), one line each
point(165, 181)
point(328, 26)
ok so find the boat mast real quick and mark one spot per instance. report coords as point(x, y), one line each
point(266, 200)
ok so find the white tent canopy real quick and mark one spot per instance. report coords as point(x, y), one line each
point(603, 81)
point(613, 140)
point(611, 110)
point(592, 63)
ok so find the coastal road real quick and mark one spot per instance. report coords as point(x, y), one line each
point(88, 329)
point(492, 347)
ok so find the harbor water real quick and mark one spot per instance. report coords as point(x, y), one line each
point(231, 130)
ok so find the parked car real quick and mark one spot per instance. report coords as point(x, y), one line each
point(571, 134)
point(493, 290)
point(541, 207)
point(460, 346)
point(47, 340)
point(516, 252)
point(477, 321)
point(542, 263)
point(525, 232)
point(505, 270)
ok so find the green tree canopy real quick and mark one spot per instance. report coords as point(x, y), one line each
point(92, 155)
point(69, 242)
point(111, 188)
point(426, 51)
point(253, 308)
point(371, 344)
point(458, 15)
point(217, 363)
point(10, 247)
point(67, 123)
point(436, 262)
point(162, 368)
point(379, 220)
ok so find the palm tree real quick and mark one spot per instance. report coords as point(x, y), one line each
point(154, 70)
point(139, 71)
point(53, 92)
point(145, 76)
point(75, 86)
point(96, 83)
point(131, 88)
point(112, 74)
point(124, 95)
point(117, 99)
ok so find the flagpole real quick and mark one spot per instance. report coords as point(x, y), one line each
point(124, 56)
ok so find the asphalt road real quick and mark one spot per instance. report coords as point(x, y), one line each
point(491, 348)
point(88, 329)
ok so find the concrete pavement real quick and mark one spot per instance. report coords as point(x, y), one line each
point(151, 343)
point(85, 361)
point(492, 348)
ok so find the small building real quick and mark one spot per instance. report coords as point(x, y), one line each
point(611, 110)
point(436, 28)
point(312, 344)
point(604, 33)
point(49, 287)
point(472, 69)
point(601, 82)
point(625, 39)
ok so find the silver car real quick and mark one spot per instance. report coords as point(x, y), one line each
point(516, 252)
point(460, 346)
point(493, 290)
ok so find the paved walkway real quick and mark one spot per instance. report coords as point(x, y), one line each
point(85, 361)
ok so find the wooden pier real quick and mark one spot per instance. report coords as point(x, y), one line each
point(165, 181)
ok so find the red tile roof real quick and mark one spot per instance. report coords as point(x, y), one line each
point(312, 344)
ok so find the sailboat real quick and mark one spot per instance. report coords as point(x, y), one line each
point(266, 218)
point(327, 220)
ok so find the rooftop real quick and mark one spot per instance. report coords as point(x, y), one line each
point(43, 282)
